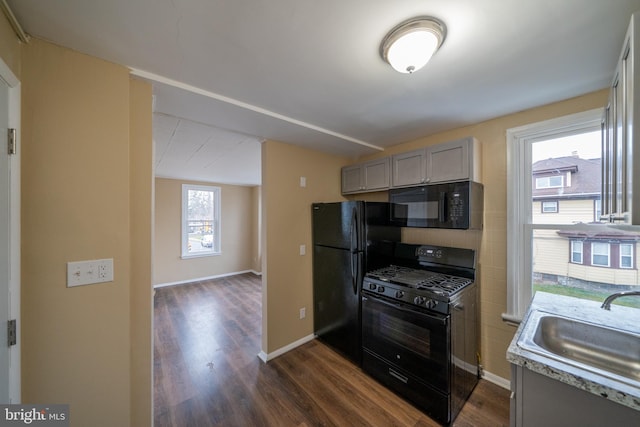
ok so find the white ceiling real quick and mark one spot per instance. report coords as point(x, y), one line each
point(228, 74)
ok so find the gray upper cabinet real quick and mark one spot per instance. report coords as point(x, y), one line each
point(457, 160)
point(364, 177)
point(409, 168)
point(620, 144)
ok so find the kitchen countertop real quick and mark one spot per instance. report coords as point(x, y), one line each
point(624, 318)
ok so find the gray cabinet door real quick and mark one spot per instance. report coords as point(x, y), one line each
point(376, 174)
point(450, 161)
point(409, 168)
point(351, 179)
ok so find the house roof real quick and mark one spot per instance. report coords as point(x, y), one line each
point(585, 177)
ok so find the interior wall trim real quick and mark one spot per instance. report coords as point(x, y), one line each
point(497, 380)
point(265, 357)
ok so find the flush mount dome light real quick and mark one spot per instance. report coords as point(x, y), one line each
point(410, 45)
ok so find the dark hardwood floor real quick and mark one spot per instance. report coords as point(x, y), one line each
point(207, 373)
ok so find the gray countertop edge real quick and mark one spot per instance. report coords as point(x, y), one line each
point(624, 318)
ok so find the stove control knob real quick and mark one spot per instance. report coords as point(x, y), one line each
point(380, 289)
point(419, 300)
point(431, 303)
point(399, 294)
point(372, 286)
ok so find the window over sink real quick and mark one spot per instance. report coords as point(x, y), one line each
point(556, 241)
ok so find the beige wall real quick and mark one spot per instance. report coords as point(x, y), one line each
point(256, 232)
point(86, 182)
point(141, 206)
point(239, 211)
point(286, 218)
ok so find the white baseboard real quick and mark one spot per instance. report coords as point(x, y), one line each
point(198, 279)
point(266, 357)
point(502, 382)
point(495, 379)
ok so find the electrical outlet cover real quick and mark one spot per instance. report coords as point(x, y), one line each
point(88, 272)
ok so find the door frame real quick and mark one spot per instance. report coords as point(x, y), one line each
point(14, 230)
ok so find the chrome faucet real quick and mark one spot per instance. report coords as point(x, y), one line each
point(607, 302)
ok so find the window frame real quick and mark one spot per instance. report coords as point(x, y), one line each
point(216, 248)
point(548, 179)
point(572, 251)
point(519, 197)
point(620, 256)
point(556, 205)
point(593, 254)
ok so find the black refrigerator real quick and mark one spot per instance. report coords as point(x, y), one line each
point(349, 239)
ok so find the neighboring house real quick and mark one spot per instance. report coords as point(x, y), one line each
point(566, 190)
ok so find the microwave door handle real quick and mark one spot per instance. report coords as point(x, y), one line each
point(442, 207)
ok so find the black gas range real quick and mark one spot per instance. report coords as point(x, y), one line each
point(419, 326)
point(422, 288)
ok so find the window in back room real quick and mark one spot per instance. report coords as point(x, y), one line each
point(200, 220)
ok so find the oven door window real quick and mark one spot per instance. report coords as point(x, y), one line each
point(414, 341)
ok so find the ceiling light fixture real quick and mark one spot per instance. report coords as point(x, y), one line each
point(410, 45)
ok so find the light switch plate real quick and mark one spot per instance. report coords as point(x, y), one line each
point(89, 272)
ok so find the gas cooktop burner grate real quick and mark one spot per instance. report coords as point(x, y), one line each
point(390, 272)
point(442, 283)
point(437, 283)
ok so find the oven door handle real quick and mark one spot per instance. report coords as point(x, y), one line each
point(401, 307)
point(398, 376)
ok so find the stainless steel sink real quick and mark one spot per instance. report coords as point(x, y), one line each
point(609, 352)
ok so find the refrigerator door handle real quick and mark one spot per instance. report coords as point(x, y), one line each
point(354, 232)
point(354, 272)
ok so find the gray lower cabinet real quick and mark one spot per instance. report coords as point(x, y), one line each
point(537, 400)
point(369, 176)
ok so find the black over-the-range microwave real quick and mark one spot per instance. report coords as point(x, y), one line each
point(457, 205)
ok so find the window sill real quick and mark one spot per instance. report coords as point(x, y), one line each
point(208, 254)
point(511, 319)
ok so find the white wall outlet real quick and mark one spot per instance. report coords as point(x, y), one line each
point(303, 249)
point(303, 312)
point(105, 270)
point(303, 181)
point(88, 272)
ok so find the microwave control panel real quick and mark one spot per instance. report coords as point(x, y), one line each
point(457, 205)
